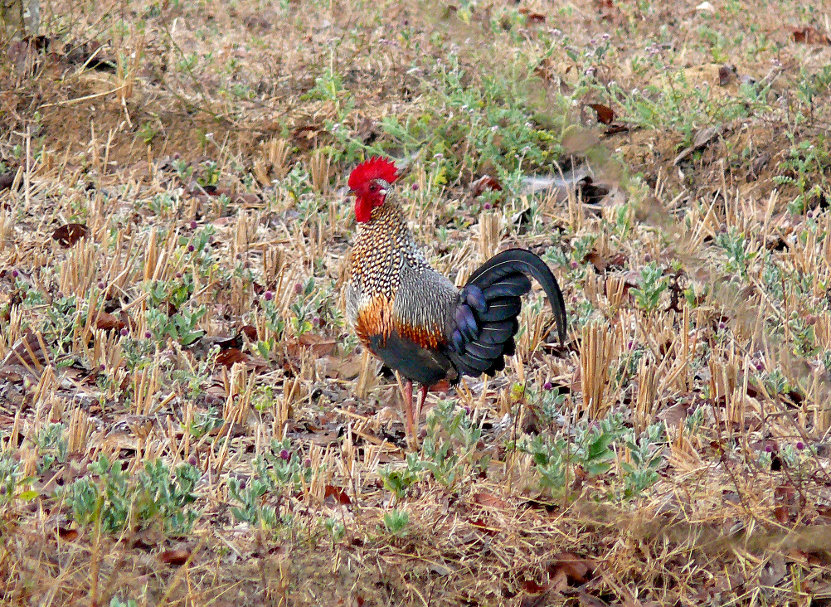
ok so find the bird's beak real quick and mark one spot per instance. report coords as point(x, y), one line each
point(382, 192)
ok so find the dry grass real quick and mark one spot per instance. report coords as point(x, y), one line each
point(204, 163)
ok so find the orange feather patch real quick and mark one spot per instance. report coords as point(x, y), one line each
point(423, 337)
point(376, 318)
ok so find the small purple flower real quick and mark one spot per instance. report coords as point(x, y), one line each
point(487, 206)
point(242, 484)
point(125, 332)
point(415, 187)
point(298, 288)
point(102, 285)
point(467, 410)
point(192, 460)
point(307, 463)
point(316, 321)
point(102, 367)
point(647, 258)
point(630, 345)
point(284, 455)
point(147, 335)
point(722, 326)
point(800, 445)
point(191, 248)
point(2, 490)
point(547, 385)
point(15, 273)
point(178, 275)
point(268, 295)
point(574, 265)
point(193, 225)
point(768, 449)
point(760, 366)
point(810, 214)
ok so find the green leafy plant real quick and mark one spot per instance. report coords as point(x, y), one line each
point(117, 499)
point(396, 521)
point(279, 468)
point(653, 284)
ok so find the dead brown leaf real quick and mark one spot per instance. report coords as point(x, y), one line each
point(533, 587)
point(27, 357)
point(108, 322)
point(68, 535)
point(177, 558)
point(319, 345)
point(230, 356)
point(6, 180)
point(67, 235)
point(489, 500)
point(809, 35)
point(726, 74)
point(337, 494)
point(249, 331)
point(577, 570)
point(605, 114)
point(485, 182)
point(702, 139)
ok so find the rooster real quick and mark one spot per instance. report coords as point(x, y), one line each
point(413, 318)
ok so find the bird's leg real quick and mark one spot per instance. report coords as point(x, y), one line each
point(408, 410)
point(421, 403)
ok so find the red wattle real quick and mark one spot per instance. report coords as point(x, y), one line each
point(363, 210)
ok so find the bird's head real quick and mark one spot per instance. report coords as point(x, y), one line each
point(370, 181)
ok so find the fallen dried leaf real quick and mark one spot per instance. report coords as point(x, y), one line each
point(174, 557)
point(107, 322)
point(27, 357)
point(6, 180)
point(532, 587)
point(489, 500)
point(68, 535)
point(230, 356)
point(249, 331)
point(809, 35)
point(337, 493)
point(67, 235)
point(485, 182)
point(605, 114)
point(702, 138)
point(577, 570)
point(532, 17)
point(319, 345)
point(726, 74)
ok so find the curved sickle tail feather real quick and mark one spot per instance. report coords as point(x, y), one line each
point(486, 316)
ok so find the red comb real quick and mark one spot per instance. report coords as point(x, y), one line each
point(374, 168)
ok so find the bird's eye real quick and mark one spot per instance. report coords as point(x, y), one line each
point(373, 187)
